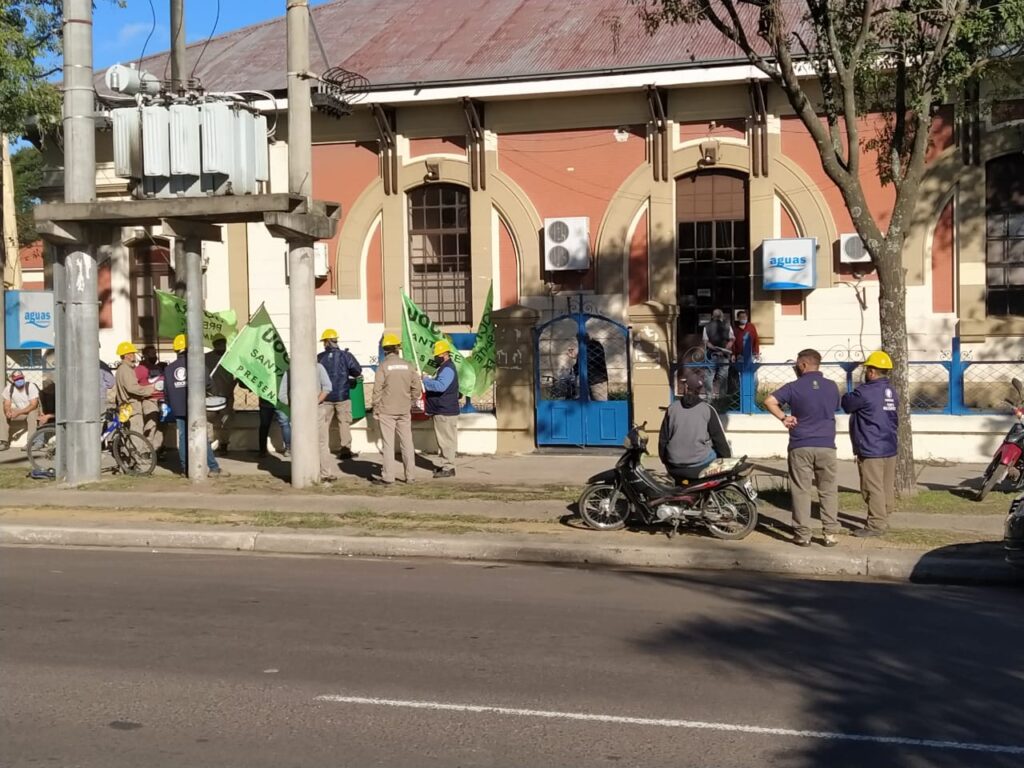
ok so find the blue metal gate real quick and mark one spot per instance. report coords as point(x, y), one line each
point(582, 381)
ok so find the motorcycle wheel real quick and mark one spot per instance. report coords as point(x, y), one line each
point(133, 453)
point(737, 515)
point(992, 478)
point(42, 448)
point(595, 507)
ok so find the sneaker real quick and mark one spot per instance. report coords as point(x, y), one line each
point(801, 542)
point(444, 473)
point(219, 473)
point(377, 480)
point(868, 533)
point(829, 540)
point(328, 478)
point(286, 453)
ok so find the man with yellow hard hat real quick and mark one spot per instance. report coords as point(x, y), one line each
point(344, 371)
point(396, 386)
point(874, 423)
point(442, 405)
point(127, 390)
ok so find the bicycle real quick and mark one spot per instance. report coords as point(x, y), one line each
point(132, 452)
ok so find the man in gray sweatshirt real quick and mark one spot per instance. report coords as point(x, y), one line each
point(691, 436)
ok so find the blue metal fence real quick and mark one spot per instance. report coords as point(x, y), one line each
point(953, 385)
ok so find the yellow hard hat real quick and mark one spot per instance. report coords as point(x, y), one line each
point(329, 334)
point(879, 360)
point(180, 342)
point(390, 340)
point(126, 348)
point(441, 346)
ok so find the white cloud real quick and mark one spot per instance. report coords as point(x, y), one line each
point(136, 30)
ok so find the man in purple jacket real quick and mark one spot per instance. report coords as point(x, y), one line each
point(813, 401)
point(874, 422)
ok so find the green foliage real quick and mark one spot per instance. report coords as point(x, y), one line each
point(27, 166)
point(29, 48)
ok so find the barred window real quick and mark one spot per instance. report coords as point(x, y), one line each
point(439, 260)
point(1004, 246)
point(149, 270)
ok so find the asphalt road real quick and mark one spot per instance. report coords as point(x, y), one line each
point(143, 659)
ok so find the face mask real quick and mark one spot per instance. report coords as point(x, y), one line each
point(742, 323)
point(20, 384)
point(332, 344)
point(438, 360)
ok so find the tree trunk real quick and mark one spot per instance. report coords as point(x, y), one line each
point(892, 311)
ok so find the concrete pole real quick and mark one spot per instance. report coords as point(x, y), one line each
point(178, 73)
point(197, 440)
point(302, 376)
point(80, 350)
point(58, 279)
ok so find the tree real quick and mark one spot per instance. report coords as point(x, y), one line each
point(27, 165)
point(30, 39)
point(839, 60)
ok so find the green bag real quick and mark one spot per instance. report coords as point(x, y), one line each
point(358, 397)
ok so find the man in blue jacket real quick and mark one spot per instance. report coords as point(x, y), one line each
point(176, 394)
point(442, 405)
point(874, 422)
point(344, 370)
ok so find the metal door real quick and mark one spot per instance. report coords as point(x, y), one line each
point(582, 381)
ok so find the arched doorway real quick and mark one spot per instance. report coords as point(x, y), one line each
point(713, 267)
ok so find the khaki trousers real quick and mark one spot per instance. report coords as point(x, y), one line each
point(30, 420)
point(328, 410)
point(811, 468)
point(388, 426)
point(147, 424)
point(446, 430)
point(878, 487)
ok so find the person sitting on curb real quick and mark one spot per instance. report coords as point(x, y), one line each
point(874, 424)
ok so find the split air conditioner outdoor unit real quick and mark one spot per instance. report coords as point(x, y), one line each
point(567, 244)
point(320, 268)
point(852, 250)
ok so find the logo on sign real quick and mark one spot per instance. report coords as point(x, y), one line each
point(788, 263)
point(38, 319)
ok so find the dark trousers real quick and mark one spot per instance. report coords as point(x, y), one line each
point(268, 414)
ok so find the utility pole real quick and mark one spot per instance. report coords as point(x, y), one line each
point(78, 357)
point(302, 376)
point(177, 45)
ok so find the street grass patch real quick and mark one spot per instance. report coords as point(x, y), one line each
point(17, 479)
point(938, 502)
point(927, 538)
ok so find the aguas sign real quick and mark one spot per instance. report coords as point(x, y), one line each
point(789, 263)
point(28, 319)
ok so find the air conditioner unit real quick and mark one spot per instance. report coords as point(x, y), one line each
point(567, 244)
point(320, 267)
point(852, 250)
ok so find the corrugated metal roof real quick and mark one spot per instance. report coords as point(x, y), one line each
point(400, 42)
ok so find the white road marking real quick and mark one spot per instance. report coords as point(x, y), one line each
point(901, 741)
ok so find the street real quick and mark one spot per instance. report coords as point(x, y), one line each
point(117, 658)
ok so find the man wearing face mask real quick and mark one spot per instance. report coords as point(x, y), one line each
point(813, 401)
point(21, 403)
point(442, 405)
point(745, 328)
point(128, 391)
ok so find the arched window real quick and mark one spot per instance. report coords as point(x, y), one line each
point(1004, 224)
point(439, 261)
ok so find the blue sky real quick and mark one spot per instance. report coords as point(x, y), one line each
point(121, 32)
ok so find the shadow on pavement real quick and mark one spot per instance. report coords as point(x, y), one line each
point(940, 663)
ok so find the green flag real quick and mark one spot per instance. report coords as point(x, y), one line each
point(171, 320)
point(418, 336)
point(483, 358)
point(258, 358)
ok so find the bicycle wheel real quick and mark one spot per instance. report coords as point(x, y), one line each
point(42, 449)
point(133, 453)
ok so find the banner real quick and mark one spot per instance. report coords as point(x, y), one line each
point(258, 358)
point(483, 358)
point(171, 319)
point(418, 336)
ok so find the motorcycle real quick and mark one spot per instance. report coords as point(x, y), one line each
point(1013, 536)
point(723, 501)
point(1009, 458)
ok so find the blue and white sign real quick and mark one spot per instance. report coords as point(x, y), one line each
point(28, 319)
point(789, 263)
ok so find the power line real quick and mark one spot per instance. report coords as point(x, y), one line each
point(152, 29)
point(213, 31)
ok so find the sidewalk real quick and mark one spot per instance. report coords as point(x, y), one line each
point(509, 508)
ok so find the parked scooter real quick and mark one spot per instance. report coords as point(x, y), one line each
point(724, 501)
point(1009, 458)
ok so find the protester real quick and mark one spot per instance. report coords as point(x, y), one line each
point(874, 424)
point(145, 418)
point(20, 404)
point(269, 414)
point(328, 467)
point(744, 329)
point(813, 401)
point(691, 434)
point(344, 371)
point(718, 342)
point(222, 384)
point(176, 374)
point(442, 405)
point(150, 372)
point(107, 386)
point(395, 388)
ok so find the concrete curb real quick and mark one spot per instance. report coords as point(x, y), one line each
point(723, 556)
